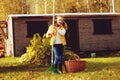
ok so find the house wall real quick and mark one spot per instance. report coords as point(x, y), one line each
point(87, 40)
point(91, 42)
point(9, 40)
point(20, 34)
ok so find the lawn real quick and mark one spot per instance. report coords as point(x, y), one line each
point(96, 69)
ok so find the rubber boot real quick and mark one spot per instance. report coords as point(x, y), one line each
point(55, 69)
point(60, 69)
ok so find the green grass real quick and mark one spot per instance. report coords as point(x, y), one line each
point(96, 69)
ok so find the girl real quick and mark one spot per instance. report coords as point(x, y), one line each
point(58, 41)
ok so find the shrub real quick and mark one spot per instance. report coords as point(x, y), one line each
point(37, 52)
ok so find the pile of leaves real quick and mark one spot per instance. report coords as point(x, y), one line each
point(38, 51)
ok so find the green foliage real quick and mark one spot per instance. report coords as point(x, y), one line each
point(10, 7)
point(101, 6)
point(61, 6)
point(38, 51)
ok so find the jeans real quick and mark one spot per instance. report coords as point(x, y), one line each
point(58, 52)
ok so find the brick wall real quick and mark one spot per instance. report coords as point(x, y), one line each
point(91, 42)
point(20, 35)
point(88, 41)
point(20, 39)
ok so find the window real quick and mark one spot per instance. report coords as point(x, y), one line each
point(102, 26)
point(36, 27)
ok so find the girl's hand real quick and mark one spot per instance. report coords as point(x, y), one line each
point(49, 35)
point(56, 28)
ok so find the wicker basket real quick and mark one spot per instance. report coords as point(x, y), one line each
point(75, 65)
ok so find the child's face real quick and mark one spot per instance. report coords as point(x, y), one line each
point(60, 20)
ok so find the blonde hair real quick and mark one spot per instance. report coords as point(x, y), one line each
point(64, 23)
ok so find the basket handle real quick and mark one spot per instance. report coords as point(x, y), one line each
point(76, 56)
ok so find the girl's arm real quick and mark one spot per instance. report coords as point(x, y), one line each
point(49, 32)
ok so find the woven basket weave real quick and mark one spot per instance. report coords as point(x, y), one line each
point(75, 65)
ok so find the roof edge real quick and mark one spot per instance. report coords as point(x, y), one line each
point(65, 14)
